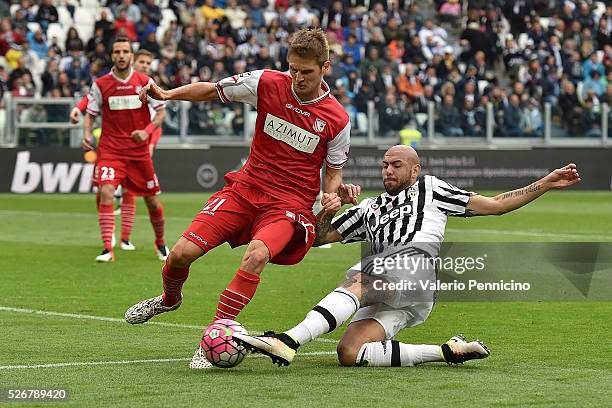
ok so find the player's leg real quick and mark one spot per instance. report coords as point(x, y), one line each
point(106, 221)
point(368, 341)
point(218, 222)
point(267, 242)
point(156, 216)
point(128, 213)
point(327, 315)
point(174, 274)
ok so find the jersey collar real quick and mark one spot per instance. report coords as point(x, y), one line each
point(120, 79)
point(315, 100)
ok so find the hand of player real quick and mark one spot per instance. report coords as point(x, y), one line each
point(152, 90)
point(74, 115)
point(140, 135)
point(348, 193)
point(86, 143)
point(564, 177)
point(331, 203)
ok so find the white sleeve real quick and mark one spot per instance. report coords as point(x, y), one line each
point(94, 100)
point(350, 224)
point(154, 103)
point(450, 199)
point(240, 88)
point(338, 148)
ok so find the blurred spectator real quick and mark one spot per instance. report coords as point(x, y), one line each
point(46, 14)
point(533, 123)
point(152, 11)
point(150, 43)
point(38, 43)
point(514, 122)
point(144, 27)
point(132, 11)
point(122, 23)
point(73, 41)
point(392, 117)
point(590, 120)
point(449, 118)
point(470, 123)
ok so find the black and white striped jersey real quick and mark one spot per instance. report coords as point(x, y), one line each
point(417, 214)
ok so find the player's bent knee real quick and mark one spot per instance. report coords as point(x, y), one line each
point(347, 353)
point(255, 257)
point(183, 255)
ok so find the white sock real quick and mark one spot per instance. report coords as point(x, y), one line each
point(392, 353)
point(329, 313)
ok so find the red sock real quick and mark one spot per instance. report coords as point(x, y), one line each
point(157, 221)
point(106, 219)
point(237, 295)
point(173, 279)
point(128, 212)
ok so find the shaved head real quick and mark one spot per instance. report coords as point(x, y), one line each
point(400, 168)
point(405, 152)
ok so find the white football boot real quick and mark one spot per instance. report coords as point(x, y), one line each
point(277, 346)
point(127, 245)
point(106, 256)
point(458, 351)
point(162, 252)
point(199, 361)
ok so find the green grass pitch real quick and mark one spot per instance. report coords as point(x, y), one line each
point(543, 354)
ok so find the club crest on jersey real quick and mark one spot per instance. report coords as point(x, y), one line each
point(319, 125)
point(374, 206)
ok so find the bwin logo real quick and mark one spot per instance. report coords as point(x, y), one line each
point(399, 212)
point(55, 177)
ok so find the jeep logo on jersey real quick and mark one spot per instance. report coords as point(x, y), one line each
point(377, 222)
point(319, 125)
point(291, 134)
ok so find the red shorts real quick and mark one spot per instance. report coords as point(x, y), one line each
point(138, 176)
point(237, 213)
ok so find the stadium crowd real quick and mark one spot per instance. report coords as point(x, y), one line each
point(401, 54)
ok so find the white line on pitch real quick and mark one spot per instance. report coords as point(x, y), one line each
point(112, 319)
point(127, 362)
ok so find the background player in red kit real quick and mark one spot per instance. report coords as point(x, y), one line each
point(142, 64)
point(123, 154)
point(268, 203)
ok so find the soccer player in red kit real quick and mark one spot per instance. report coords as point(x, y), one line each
point(123, 154)
point(268, 203)
point(142, 64)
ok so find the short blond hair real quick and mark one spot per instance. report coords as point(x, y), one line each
point(310, 44)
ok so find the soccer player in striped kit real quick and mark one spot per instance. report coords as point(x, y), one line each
point(410, 216)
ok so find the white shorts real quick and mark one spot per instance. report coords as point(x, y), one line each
point(393, 320)
point(399, 308)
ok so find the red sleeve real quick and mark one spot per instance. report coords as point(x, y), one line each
point(82, 105)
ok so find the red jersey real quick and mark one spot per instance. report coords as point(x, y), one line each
point(293, 138)
point(122, 113)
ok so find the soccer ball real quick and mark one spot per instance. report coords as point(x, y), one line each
point(221, 350)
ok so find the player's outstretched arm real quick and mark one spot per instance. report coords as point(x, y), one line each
point(502, 203)
point(326, 234)
point(196, 92)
